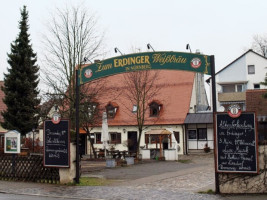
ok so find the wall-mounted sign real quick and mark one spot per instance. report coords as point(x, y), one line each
point(145, 61)
point(236, 142)
point(12, 142)
point(56, 144)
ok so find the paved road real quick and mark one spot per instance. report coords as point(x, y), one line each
point(151, 180)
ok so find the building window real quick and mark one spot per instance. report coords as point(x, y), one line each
point(115, 138)
point(199, 134)
point(177, 136)
point(154, 109)
point(134, 108)
point(192, 134)
point(111, 110)
point(239, 88)
point(233, 88)
point(228, 88)
point(251, 69)
point(202, 134)
point(257, 86)
point(98, 138)
point(154, 139)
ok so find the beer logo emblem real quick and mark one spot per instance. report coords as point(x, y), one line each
point(195, 63)
point(56, 118)
point(234, 111)
point(88, 73)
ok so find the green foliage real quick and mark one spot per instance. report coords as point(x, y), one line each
point(91, 181)
point(20, 83)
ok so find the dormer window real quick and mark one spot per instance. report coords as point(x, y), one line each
point(154, 108)
point(134, 108)
point(111, 109)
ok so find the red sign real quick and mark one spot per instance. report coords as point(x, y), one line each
point(234, 111)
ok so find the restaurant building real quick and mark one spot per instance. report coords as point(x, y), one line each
point(181, 92)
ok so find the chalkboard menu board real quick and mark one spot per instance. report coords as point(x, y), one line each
point(236, 140)
point(56, 144)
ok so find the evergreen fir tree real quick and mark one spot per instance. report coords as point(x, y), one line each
point(20, 83)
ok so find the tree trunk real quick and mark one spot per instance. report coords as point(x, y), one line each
point(92, 145)
point(138, 143)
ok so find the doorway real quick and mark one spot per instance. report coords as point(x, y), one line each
point(82, 144)
point(132, 142)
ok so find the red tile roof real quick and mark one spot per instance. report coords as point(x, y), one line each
point(175, 97)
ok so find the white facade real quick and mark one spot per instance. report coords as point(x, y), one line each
point(195, 143)
point(233, 80)
point(124, 130)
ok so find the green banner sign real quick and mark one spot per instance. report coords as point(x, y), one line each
point(145, 61)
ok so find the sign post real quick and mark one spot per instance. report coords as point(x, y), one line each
point(214, 109)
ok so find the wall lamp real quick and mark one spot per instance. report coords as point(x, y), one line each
point(117, 50)
point(150, 47)
point(188, 47)
point(124, 130)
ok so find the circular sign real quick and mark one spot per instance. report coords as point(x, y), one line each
point(234, 111)
point(56, 118)
point(195, 63)
point(88, 73)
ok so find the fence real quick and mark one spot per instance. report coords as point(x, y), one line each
point(27, 168)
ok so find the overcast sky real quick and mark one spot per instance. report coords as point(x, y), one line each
point(220, 28)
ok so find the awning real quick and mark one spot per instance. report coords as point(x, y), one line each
point(199, 118)
point(81, 131)
point(158, 132)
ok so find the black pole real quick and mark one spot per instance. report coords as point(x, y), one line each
point(33, 141)
point(214, 108)
point(77, 179)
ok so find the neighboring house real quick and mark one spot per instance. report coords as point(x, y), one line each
point(199, 131)
point(2, 108)
point(182, 92)
point(244, 73)
point(258, 104)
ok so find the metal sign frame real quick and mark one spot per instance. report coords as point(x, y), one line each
point(143, 61)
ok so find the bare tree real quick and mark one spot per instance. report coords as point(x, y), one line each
point(140, 89)
point(259, 44)
point(72, 36)
point(90, 110)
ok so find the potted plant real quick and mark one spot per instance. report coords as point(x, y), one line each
point(206, 148)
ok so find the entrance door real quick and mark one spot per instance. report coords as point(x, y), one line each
point(82, 144)
point(132, 141)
